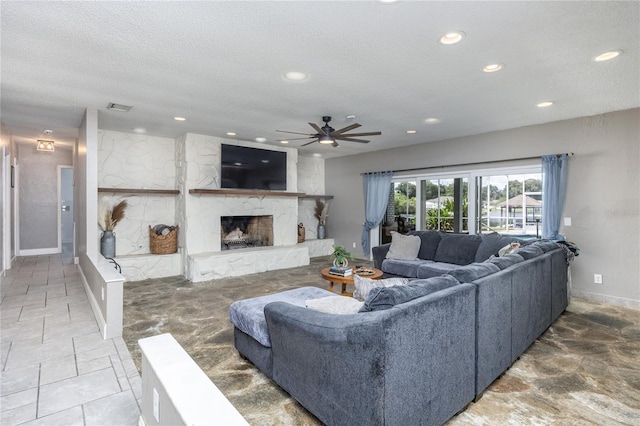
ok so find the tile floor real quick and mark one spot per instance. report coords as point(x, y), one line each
point(55, 366)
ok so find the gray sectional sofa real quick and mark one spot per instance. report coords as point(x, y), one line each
point(416, 353)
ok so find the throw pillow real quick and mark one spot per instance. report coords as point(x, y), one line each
point(403, 246)
point(365, 285)
point(387, 297)
point(335, 305)
point(510, 248)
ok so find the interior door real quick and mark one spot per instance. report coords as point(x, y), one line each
point(66, 207)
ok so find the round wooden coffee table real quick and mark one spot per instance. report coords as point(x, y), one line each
point(337, 279)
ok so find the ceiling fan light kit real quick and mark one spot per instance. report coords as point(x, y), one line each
point(327, 135)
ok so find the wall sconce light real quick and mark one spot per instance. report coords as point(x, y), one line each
point(47, 146)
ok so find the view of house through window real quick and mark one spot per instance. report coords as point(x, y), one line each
point(507, 203)
point(510, 204)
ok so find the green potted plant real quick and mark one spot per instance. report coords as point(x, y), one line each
point(340, 256)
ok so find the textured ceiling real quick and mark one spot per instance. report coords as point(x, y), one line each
point(221, 65)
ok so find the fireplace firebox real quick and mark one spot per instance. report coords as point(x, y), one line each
point(238, 232)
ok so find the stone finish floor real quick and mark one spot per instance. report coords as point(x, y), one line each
point(585, 369)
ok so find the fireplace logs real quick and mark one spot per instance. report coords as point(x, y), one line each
point(246, 231)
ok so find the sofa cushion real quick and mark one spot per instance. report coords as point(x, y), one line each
point(435, 269)
point(429, 241)
point(382, 298)
point(490, 245)
point(505, 261)
point(474, 271)
point(403, 246)
point(248, 315)
point(459, 249)
point(530, 251)
point(365, 285)
point(335, 305)
point(405, 268)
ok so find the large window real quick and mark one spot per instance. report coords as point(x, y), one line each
point(446, 204)
point(401, 210)
point(508, 201)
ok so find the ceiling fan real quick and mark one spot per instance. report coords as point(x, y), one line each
point(329, 136)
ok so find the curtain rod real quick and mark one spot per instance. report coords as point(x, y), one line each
point(569, 154)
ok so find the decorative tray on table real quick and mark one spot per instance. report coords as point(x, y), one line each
point(364, 271)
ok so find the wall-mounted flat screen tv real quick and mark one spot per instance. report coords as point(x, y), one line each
point(253, 168)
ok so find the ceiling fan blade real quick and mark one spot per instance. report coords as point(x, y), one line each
point(364, 134)
point(342, 138)
point(294, 139)
point(316, 128)
point(294, 133)
point(308, 143)
point(346, 129)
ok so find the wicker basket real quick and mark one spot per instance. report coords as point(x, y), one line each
point(163, 244)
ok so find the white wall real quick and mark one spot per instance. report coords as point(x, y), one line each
point(603, 195)
point(38, 199)
point(5, 204)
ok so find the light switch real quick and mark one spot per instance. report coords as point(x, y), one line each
point(567, 221)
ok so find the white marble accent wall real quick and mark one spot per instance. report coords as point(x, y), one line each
point(181, 198)
point(127, 160)
point(311, 182)
point(142, 162)
point(311, 175)
point(132, 233)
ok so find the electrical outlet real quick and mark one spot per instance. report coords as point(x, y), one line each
point(567, 221)
point(597, 278)
point(354, 244)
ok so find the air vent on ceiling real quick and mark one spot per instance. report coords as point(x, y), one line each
point(118, 107)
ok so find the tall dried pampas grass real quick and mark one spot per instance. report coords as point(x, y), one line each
point(108, 218)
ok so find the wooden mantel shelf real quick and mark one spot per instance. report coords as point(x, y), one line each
point(246, 192)
point(140, 191)
point(318, 197)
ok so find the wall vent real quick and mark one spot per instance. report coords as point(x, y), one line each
point(118, 107)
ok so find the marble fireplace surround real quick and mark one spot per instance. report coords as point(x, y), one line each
point(198, 169)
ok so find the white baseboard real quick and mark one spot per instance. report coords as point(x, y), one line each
point(102, 324)
point(36, 252)
point(603, 298)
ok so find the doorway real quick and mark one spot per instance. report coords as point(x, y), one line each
point(66, 228)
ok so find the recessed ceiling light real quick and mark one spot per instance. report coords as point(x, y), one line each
point(265, 161)
point(238, 164)
point(386, 1)
point(261, 139)
point(284, 141)
point(231, 133)
point(432, 120)
point(139, 130)
point(316, 154)
point(411, 132)
point(452, 37)
point(296, 76)
point(545, 104)
point(493, 67)
point(179, 118)
point(607, 55)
